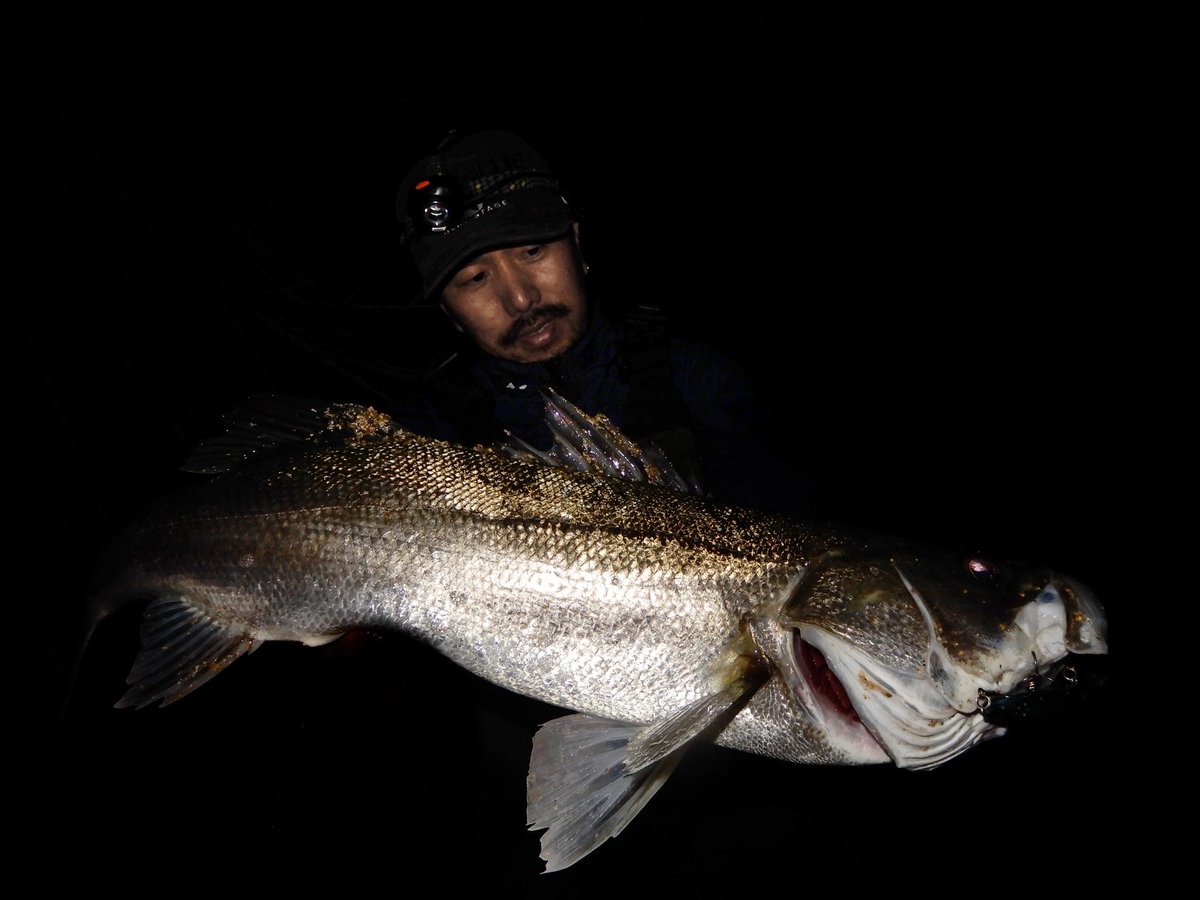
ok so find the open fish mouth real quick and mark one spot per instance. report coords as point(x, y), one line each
point(923, 715)
point(905, 714)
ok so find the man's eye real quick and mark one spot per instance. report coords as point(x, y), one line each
point(535, 251)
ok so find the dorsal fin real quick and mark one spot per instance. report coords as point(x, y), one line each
point(267, 423)
point(587, 443)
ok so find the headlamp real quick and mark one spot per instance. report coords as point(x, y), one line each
point(434, 205)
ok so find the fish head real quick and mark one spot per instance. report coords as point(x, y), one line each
point(930, 653)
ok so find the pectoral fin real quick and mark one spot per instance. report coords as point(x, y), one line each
point(588, 777)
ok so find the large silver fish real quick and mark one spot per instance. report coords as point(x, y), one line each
point(591, 580)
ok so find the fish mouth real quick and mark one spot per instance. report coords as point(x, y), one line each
point(906, 715)
point(924, 715)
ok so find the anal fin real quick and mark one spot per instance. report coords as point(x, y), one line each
point(181, 649)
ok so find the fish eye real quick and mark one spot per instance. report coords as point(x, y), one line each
point(982, 569)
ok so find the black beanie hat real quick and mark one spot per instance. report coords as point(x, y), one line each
point(476, 193)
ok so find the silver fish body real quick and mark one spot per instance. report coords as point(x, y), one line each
point(659, 617)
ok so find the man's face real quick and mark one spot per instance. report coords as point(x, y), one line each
point(524, 304)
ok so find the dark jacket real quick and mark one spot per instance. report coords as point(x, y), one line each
point(694, 402)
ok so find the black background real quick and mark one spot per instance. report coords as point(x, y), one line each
point(900, 225)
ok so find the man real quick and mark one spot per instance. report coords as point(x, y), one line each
point(497, 246)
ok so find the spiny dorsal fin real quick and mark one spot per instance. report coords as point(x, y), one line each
point(588, 443)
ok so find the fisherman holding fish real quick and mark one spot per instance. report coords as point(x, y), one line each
point(654, 619)
point(497, 246)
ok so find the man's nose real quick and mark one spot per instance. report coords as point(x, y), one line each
point(518, 292)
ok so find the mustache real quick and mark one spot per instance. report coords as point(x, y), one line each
point(532, 322)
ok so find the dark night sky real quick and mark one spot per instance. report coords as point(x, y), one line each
point(885, 220)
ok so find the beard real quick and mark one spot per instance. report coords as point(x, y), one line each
point(532, 322)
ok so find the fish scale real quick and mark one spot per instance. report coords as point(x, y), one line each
point(657, 616)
